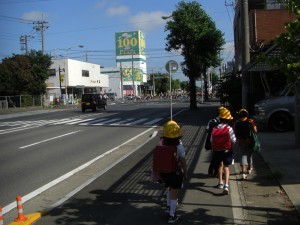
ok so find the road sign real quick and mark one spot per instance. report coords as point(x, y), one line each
point(172, 66)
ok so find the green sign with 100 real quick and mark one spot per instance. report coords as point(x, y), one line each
point(130, 43)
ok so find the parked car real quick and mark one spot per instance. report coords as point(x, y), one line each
point(93, 102)
point(277, 112)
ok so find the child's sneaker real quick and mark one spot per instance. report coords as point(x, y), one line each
point(220, 186)
point(244, 176)
point(250, 170)
point(226, 190)
point(173, 219)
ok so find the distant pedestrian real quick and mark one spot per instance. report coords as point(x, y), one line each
point(173, 180)
point(242, 129)
point(223, 139)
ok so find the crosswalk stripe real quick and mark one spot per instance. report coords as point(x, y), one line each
point(73, 121)
point(93, 121)
point(137, 121)
point(106, 122)
point(62, 121)
point(153, 121)
point(82, 122)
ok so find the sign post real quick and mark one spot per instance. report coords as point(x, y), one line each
point(171, 67)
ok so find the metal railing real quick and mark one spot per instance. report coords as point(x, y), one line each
point(19, 101)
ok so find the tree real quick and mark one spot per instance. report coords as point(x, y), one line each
point(24, 74)
point(40, 64)
point(194, 34)
point(15, 75)
point(184, 85)
point(214, 79)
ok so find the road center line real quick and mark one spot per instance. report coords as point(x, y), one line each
point(36, 143)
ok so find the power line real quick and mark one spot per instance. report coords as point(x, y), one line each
point(14, 19)
point(22, 1)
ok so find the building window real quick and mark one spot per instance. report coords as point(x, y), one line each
point(85, 73)
point(51, 72)
point(273, 4)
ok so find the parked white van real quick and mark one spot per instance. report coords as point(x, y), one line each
point(277, 112)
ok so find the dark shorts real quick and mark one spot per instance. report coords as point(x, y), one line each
point(223, 156)
point(173, 180)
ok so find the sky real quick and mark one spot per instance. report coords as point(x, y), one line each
point(80, 29)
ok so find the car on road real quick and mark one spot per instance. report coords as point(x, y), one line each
point(277, 112)
point(93, 101)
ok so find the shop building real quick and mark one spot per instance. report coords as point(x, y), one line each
point(69, 79)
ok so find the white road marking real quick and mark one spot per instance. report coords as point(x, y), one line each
point(47, 186)
point(50, 139)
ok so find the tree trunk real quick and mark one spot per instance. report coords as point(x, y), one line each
point(193, 99)
point(205, 84)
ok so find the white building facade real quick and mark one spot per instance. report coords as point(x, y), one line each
point(69, 79)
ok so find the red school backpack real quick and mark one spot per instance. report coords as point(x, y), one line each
point(221, 138)
point(165, 159)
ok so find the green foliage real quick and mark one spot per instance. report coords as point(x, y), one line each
point(194, 34)
point(40, 64)
point(289, 43)
point(230, 92)
point(24, 74)
point(184, 86)
point(214, 78)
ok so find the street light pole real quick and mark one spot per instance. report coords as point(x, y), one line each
point(121, 73)
point(170, 73)
point(153, 83)
point(132, 68)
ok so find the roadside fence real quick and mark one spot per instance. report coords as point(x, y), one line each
point(19, 101)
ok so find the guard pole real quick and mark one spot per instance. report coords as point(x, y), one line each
point(21, 216)
point(1, 218)
point(170, 73)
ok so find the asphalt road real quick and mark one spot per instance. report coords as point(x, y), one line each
point(40, 150)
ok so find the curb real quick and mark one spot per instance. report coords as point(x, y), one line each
point(31, 218)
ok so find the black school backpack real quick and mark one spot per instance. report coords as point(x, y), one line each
point(242, 129)
point(211, 125)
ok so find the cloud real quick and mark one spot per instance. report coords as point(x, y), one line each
point(34, 15)
point(117, 11)
point(147, 21)
point(101, 4)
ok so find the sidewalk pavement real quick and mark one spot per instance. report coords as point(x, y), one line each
point(125, 195)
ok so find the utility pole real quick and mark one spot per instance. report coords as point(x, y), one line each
point(59, 76)
point(132, 68)
point(153, 82)
point(41, 26)
point(245, 50)
point(86, 55)
point(24, 42)
point(121, 73)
